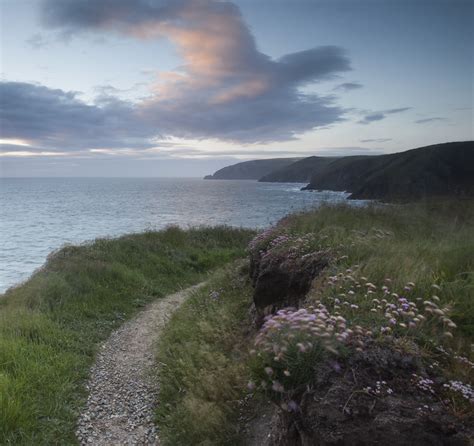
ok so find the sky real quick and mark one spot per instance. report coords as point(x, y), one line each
point(185, 87)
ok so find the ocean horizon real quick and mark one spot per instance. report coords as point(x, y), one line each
point(40, 215)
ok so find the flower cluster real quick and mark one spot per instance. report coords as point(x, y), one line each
point(261, 240)
point(380, 389)
point(304, 328)
point(290, 248)
point(457, 387)
point(350, 314)
point(424, 384)
point(292, 339)
point(464, 390)
point(276, 243)
point(401, 312)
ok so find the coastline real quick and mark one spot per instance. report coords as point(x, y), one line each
point(52, 325)
point(76, 211)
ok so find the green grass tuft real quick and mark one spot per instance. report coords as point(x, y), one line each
point(202, 357)
point(206, 344)
point(50, 326)
point(426, 243)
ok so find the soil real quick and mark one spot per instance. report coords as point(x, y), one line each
point(123, 395)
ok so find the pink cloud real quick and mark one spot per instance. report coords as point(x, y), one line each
point(226, 88)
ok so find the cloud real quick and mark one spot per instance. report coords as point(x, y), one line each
point(37, 41)
point(164, 152)
point(52, 118)
point(242, 153)
point(396, 110)
point(348, 151)
point(348, 86)
point(29, 153)
point(105, 92)
point(372, 117)
point(376, 140)
point(226, 88)
point(425, 120)
point(378, 116)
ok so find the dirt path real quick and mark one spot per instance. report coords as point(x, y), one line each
point(122, 397)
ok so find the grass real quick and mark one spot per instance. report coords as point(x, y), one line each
point(423, 253)
point(205, 349)
point(51, 325)
point(427, 243)
point(202, 357)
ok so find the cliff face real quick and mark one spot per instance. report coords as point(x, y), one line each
point(438, 170)
point(251, 170)
point(432, 171)
point(349, 359)
point(446, 169)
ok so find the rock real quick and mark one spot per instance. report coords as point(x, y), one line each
point(336, 411)
point(122, 395)
point(281, 281)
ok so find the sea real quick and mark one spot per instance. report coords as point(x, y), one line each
point(40, 215)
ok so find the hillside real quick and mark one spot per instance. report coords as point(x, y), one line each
point(431, 171)
point(348, 325)
point(438, 170)
point(251, 170)
point(53, 324)
point(342, 325)
point(300, 171)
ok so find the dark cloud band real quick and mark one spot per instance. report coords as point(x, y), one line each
point(226, 88)
point(378, 116)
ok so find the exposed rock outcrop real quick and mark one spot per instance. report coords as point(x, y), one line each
point(281, 282)
point(346, 407)
point(281, 276)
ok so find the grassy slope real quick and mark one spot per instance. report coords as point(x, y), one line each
point(251, 170)
point(440, 170)
point(300, 171)
point(428, 243)
point(206, 344)
point(202, 357)
point(437, 170)
point(50, 326)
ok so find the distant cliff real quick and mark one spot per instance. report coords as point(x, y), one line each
point(438, 170)
point(300, 171)
point(431, 171)
point(251, 170)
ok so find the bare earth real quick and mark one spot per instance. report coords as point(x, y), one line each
point(122, 395)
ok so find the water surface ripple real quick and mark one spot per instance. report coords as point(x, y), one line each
point(39, 215)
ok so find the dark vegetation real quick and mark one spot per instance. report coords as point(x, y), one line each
point(442, 170)
point(365, 338)
point(51, 325)
point(381, 343)
point(377, 349)
point(202, 361)
point(299, 172)
point(250, 170)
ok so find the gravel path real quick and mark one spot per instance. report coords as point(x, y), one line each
point(122, 397)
